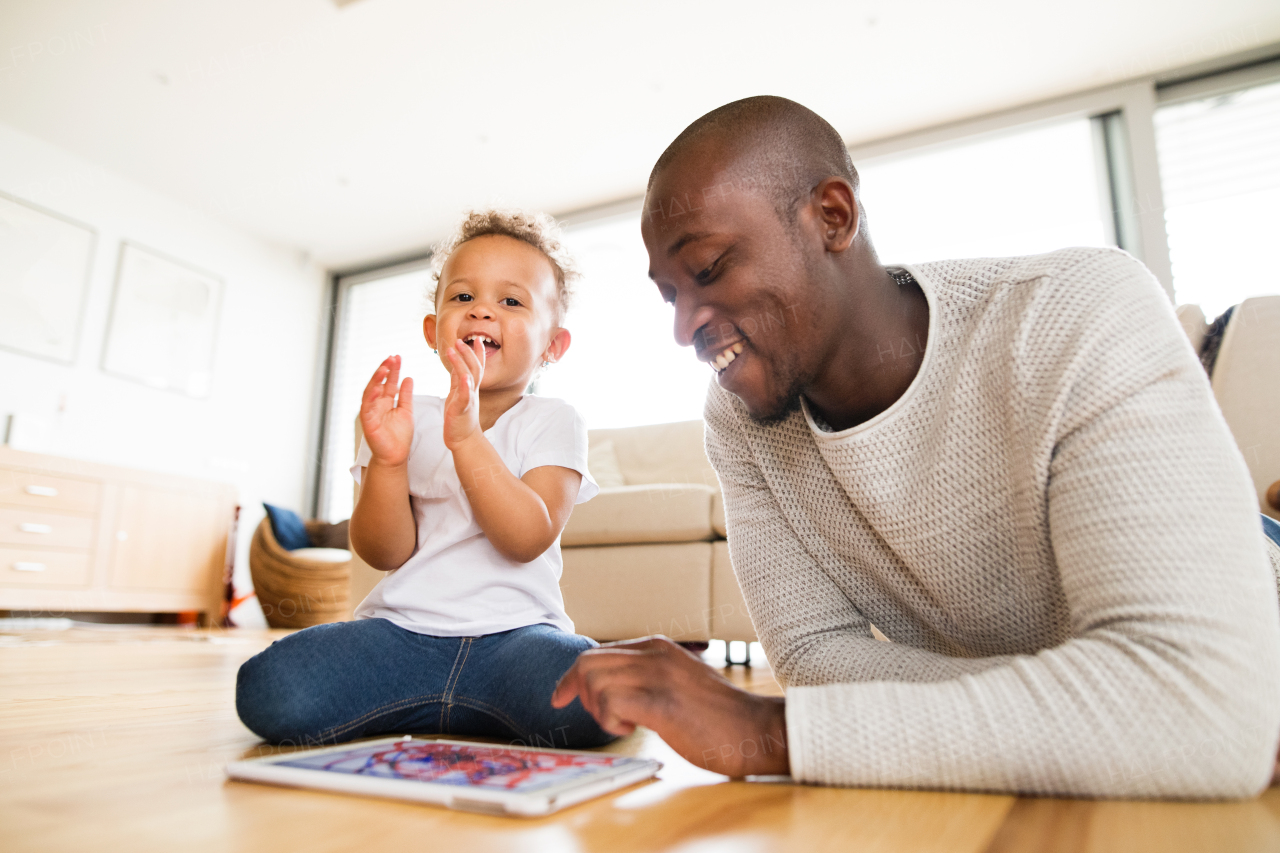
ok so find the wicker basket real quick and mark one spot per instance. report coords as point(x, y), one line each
point(297, 592)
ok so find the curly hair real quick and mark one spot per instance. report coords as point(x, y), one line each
point(537, 229)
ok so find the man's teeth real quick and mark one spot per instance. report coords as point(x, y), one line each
point(725, 358)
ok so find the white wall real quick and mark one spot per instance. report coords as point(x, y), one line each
point(253, 429)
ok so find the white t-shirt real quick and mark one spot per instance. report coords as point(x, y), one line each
point(456, 584)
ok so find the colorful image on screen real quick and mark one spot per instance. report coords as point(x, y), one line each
point(460, 764)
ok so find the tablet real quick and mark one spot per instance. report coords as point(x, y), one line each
point(475, 777)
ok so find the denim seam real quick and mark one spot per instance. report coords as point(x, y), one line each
point(398, 705)
point(448, 683)
point(452, 688)
point(484, 707)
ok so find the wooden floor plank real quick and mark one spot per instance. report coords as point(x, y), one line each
point(117, 739)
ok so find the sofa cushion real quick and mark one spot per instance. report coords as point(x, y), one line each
point(620, 593)
point(717, 516)
point(287, 527)
point(660, 453)
point(602, 459)
point(666, 512)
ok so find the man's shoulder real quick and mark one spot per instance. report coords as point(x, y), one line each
point(979, 276)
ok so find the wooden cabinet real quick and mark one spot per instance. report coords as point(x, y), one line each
point(77, 536)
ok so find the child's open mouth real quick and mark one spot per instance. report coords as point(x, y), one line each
point(490, 345)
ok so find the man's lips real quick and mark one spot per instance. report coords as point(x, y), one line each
point(721, 358)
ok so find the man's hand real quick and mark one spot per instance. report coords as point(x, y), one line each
point(388, 426)
point(652, 682)
point(462, 406)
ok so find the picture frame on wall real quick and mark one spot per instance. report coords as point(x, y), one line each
point(46, 260)
point(164, 322)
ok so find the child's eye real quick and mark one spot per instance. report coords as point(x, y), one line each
point(464, 297)
point(511, 302)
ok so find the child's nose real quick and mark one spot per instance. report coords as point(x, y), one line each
point(480, 311)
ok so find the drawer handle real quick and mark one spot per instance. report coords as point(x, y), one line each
point(43, 491)
point(29, 567)
point(28, 527)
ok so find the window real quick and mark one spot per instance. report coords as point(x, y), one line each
point(624, 367)
point(378, 316)
point(1220, 172)
point(1016, 193)
point(1072, 171)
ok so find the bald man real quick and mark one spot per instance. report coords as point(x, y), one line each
point(1012, 467)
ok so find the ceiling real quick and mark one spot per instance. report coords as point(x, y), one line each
point(360, 131)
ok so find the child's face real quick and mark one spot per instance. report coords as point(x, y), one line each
point(505, 289)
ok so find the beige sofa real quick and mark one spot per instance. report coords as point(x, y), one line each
point(648, 554)
point(1246, 384)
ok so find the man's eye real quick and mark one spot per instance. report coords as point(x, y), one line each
point(709, 273)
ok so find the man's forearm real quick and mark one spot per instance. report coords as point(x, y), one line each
point(512, 515)
point(383, 531)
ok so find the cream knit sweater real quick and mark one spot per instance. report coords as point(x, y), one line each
point(1052, 526)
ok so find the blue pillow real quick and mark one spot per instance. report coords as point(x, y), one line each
point(287, 525)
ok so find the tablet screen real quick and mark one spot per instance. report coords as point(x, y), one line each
point(490, 767)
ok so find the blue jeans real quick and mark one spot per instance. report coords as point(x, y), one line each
point(336, 682)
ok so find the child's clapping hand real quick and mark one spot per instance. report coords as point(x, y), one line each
point(462, 406)
point(388, 427)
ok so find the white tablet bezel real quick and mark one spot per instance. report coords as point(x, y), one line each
point(523, 804)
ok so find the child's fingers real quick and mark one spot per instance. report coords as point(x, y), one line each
point(406, 395)
point(474, 363)
point(373, 390)
point(393, 378)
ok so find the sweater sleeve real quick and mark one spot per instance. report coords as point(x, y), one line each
point(811, 631)
point(1168, 685)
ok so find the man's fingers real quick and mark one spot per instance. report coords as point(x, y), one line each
point(650, 642)
point(612, 680)
point(615, 710)
point(566, 688)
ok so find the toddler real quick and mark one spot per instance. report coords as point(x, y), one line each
point(462, 501)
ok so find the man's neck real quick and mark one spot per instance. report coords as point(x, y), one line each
point(877, 348)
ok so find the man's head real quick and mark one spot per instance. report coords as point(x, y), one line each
point(752, 222)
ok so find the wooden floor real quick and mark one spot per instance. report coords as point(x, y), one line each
point(115, 739)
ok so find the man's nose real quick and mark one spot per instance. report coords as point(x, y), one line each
point(690, 317)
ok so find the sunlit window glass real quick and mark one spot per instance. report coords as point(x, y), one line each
point(1220, 173)
point(1017, 193)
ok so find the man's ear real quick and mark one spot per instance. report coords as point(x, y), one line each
point(560, 340)
point(429, 330)
point(837, 209)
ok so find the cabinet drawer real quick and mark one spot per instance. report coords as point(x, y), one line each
point(32, 527)
point(40, 491)
point(34, 567)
